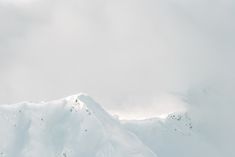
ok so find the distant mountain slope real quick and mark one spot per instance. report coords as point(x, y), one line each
point(174, 136)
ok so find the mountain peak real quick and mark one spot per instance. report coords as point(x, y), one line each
point(71, 127)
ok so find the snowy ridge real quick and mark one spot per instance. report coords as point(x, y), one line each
point(173, 136)
point(75, 126)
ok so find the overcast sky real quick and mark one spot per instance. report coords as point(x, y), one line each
point(124, 53)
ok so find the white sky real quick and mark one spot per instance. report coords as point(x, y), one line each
point(139, 56)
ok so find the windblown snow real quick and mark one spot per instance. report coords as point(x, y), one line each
point(77, 126)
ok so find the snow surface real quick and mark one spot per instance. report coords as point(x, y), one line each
point(77, 126)
point(72, 127)
point(174, 136)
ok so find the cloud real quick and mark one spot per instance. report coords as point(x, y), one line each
point(211, 107)
point(126, 54)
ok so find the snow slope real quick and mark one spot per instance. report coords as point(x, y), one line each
point(174, 136)
point(75, 126)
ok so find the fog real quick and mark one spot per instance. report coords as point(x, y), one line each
point(144, 57)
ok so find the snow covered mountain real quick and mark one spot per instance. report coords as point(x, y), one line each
point(72, 127)
point(77, 126)
point(174, 136)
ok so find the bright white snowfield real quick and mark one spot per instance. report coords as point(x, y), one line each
point(77, 126)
